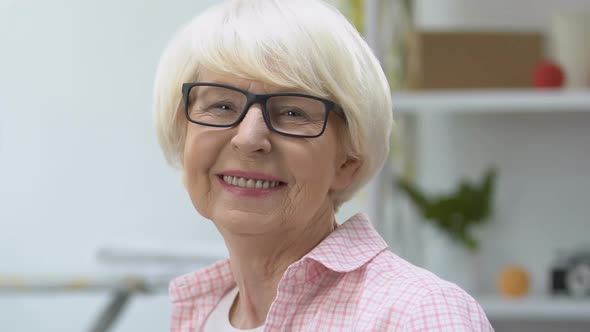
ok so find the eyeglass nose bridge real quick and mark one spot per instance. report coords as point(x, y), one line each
point(252, 99)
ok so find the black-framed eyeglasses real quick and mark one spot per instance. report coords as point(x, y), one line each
point(289, 114)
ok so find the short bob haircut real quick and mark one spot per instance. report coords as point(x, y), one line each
point(296, 44)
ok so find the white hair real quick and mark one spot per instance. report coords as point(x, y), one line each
point(303, 44)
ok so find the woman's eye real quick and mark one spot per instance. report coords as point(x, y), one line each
point(293, 113)
point(221, 107)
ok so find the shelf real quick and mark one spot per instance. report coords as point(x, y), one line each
point(90, 283)
point(536, 308)
point(491, 101)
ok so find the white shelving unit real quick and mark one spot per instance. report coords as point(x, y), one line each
point(492, 101)
point(407, 108)
point(536, 308)
point(411, 105)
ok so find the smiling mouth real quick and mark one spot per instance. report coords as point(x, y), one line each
point(250, 183)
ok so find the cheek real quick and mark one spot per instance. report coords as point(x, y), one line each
point(200, 154)
point(318, 163)
point(195, 156)
point(201, 148)
point(314, 172)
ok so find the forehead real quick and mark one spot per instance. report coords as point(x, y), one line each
point(254, 86)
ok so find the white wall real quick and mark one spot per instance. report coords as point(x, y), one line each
point(79, 163)
point(80, 167)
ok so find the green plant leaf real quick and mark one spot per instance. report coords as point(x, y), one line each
point(457, 212)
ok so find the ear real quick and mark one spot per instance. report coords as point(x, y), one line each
point(345, 173)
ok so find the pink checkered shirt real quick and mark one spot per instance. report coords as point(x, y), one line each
point(349, 282)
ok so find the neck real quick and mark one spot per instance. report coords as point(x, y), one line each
point(258, 263)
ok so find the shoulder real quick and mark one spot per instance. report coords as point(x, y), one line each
point(194, 295)
point(420, 300)
point(389, 268)
point(448, 308)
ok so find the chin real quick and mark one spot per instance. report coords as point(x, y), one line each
point(244, 222)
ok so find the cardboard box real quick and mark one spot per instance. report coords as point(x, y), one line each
point(464, 60)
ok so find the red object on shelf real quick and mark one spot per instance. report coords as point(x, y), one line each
point(548, 74)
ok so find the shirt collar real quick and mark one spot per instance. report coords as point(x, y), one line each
point(350, 246)
point(214, 280)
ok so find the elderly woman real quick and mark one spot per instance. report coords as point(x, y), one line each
point(277, 113)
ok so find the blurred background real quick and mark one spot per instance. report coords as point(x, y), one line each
point(492, 103)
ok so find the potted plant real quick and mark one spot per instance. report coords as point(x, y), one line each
point(449, 248)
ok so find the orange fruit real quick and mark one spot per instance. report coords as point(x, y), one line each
point(514, 281)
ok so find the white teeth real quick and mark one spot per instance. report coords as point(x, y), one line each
point(249, 183)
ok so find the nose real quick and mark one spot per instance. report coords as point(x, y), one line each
point(252, 133)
